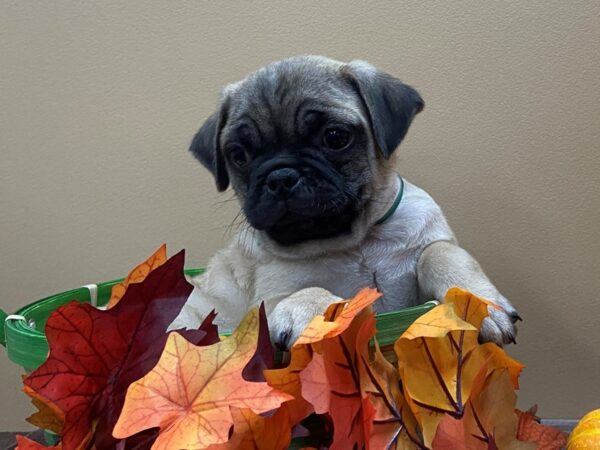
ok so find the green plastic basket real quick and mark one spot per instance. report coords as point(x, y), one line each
point(23, 331)
point(26, 344)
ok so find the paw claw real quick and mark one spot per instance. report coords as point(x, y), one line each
point(282, 342)
point(514, 316)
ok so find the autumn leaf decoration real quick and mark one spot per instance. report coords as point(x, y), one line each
point(138, 274)
point(117, 378)
point(95, 355)
point(190, 393)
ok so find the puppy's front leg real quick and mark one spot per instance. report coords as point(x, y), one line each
point(227, 287)
point(443, 265)
point(292, 314)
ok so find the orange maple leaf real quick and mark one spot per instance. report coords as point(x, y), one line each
point(138, 274)
point(394, 425)
point(256, 432)
point(473, 309)
point(331, 381)
point(489, 420)
point(287, 379)
point(531, 430)
point(314, 375)
point(337, 318)
point(497, 358)
point(190, 392)
point(468, 306)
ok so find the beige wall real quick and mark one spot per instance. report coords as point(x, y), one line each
point(99, 101)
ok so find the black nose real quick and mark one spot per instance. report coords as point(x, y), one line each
point(281, 181)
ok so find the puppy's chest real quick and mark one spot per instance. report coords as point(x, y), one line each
point(344, 274)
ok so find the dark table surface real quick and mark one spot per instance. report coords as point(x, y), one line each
point(7, 438)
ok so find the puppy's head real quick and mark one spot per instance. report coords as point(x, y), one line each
point(303, 141)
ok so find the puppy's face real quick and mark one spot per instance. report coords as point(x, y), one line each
point(301, 141)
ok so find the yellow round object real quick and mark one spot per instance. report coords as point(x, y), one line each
point(586, 435)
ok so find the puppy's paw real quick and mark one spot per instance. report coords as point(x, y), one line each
point(292, 314)
point(499, 326)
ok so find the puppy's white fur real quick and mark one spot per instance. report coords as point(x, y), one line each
point(412, 257)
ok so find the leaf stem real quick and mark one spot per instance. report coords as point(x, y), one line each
point(486, 437)
point(439, 377)
point(392, 408)
point(350, 367)
point(459, 365)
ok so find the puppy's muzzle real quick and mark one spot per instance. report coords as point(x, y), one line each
point(282, 182)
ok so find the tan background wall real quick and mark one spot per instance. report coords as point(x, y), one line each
point(100, 100)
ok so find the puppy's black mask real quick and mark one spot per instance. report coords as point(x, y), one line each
point(298, 140)
point(299, 195)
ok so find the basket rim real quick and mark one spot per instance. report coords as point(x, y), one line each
point(26, 345)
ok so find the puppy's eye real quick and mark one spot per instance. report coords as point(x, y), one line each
point(336, 138)
point(238, 156)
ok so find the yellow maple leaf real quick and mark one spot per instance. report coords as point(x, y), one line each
point(49, 416)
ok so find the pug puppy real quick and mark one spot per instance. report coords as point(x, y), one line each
point(309, 146)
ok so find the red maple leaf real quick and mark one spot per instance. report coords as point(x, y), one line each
point(24, 443)
point(95, 355)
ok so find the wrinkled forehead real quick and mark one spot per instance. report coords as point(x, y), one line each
point(277, 99)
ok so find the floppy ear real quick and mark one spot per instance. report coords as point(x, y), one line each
point(391, 104)
point(205, 146)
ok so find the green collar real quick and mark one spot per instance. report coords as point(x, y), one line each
point(394, 206)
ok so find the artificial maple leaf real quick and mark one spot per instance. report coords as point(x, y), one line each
point(287, 379)
point(252, 431)
point(473, 309)
point(138, 274)
point(24, 443)
point(190, 391)
point(438, 359)
point(95, 354)
point(452, 434)
point(140, 441)
point(331, 381)
point(530, 429)
point(436, 323)
point(497, 358)
point(469, 307)
point(256, 432)
point(337, 317)
point(489, 411)
point(488, 421)
point(394, 425)
point(48, 416)
point(264, 355)
point(334, 321)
